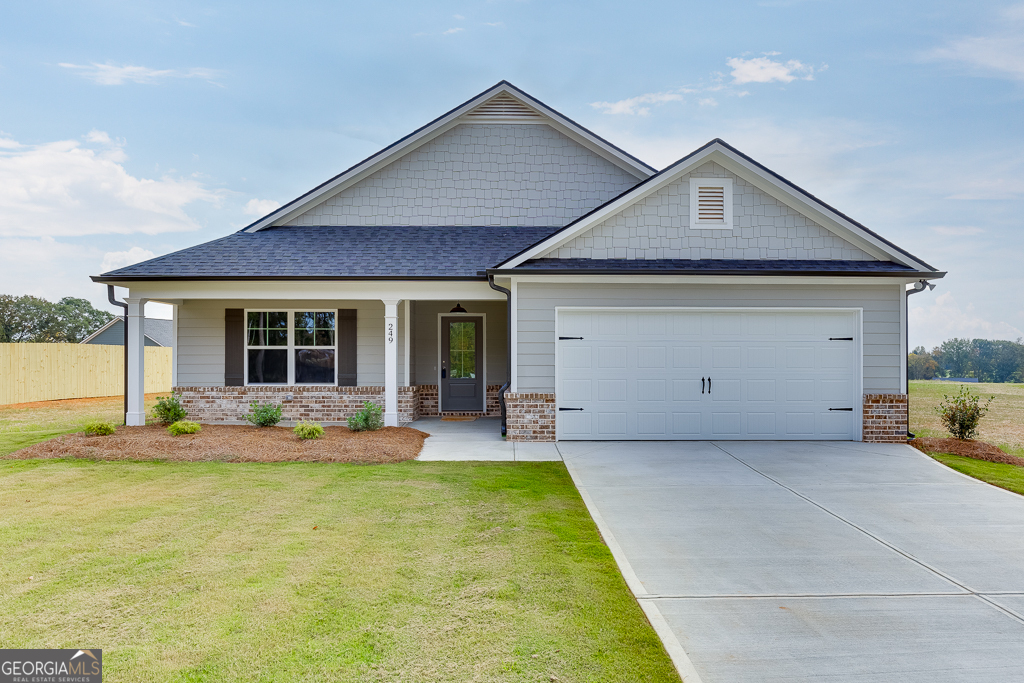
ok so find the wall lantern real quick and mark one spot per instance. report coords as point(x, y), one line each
point(458, 308)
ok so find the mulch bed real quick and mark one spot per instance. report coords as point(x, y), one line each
point(979, 450)
point(230, 443)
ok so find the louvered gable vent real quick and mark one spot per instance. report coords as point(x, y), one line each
point(710, 204)
point(504, 107)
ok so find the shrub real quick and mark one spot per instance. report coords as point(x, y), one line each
point(960, 414)
point(169, 410)
point(308, 430)
point(369, 419)
point(266, 415)
point(100, 428)
point(184, 427)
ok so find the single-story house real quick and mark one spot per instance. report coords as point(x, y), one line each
point(157, 332)
point(505, 258)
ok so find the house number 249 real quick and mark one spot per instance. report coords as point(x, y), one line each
point(391, 333)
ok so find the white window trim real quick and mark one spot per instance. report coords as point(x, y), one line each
point(726, 184)
point(291, 347)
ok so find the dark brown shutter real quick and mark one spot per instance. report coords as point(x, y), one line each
point(346, 331)
point(234, 347)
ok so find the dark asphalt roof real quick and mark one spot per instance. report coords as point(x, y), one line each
point(340, 252)
point(710, 266)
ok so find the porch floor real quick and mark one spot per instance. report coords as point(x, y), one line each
point(477, 440)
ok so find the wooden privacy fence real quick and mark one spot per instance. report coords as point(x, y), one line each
point(47, 372)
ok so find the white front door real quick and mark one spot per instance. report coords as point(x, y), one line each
point(708, 374)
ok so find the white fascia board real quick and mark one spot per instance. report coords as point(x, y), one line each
point(752, 174)
point(432, 130)
point(328, 290)
point(744, 280)
point(102, 329)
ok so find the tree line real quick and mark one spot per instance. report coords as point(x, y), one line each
point(32, 319)
point(990, 360)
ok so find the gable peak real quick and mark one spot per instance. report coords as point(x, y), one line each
point(504, 107)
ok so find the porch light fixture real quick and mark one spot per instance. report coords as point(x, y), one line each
point(458, 308)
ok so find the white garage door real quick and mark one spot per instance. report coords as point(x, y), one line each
point(707, 374)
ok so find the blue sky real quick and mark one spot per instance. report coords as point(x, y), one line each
point(131, 129)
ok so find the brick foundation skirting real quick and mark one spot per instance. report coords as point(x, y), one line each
point(531, 417)
point(886, 418)
point(227, 405)
point(429, 402)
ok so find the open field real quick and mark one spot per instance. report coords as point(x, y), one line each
point(1003, 426)
point(24, 424)
point(300, 572)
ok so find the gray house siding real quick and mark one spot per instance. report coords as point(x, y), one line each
point(535, 346)
point(114, 335)
point(657, 227)
point(480, 175)
point(201, 338)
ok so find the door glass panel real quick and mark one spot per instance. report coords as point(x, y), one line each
point(462, 350)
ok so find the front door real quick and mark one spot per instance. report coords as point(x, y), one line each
point(462, 364)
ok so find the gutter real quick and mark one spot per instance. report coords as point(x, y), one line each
point(111, 299)
point(692, 271)
point(508, 353)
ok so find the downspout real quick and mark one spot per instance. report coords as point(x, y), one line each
point(111, 299)
point(919, 286)
point(508, 352)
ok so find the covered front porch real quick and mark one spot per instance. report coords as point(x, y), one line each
point(322, 349)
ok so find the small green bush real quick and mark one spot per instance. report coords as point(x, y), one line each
point(961, 413)
point(100, 428)
point(369, 419)
point(169, 410)
point(266, 415)
point(308, 430)
point(184, 427)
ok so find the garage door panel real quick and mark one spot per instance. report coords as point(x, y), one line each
point(708, 375)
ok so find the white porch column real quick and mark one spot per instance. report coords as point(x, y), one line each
point(391, 362)
point(407, 342)
point(136, 351)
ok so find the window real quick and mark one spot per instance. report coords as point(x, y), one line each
point(711, 203)
point(290, 347)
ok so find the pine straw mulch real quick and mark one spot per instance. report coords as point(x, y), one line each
point(228, 443)
point(969, 448)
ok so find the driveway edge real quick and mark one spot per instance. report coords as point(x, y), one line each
point(681, 660)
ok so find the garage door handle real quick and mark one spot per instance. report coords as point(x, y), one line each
point(570, 337)
point(701, 385)
point(848, 410)
point(709, 386)
point(570, 408)
point(840, 338)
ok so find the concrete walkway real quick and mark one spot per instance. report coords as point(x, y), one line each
point(477, 440)
point(767, 562)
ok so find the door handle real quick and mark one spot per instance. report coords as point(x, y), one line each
point(701, 385)
point(444, 373)
point(709, 385)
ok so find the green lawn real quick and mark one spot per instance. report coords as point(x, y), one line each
point(22, 426)
point(1003, 426)
point(1009, 477)
point(316, 572)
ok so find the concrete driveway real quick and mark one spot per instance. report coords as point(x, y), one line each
point(813, 561)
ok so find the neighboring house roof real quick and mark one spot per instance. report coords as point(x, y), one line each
point(762, 177)
point(467, 112)
point(708, 266)
point(332, 252)
point(158, 331)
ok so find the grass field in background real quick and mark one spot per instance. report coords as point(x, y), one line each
point(312, 572)
point(25, 424)
point(1003, 426)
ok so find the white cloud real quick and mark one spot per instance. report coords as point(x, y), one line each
point(98, 136)
point(260, 207)
point(64, 188)
point(708, 102)
point(957, 230)
point(111, 74)
point(451, 31)
point(113, 260)
point(632, 105)
point(943, 318)
point(458, 17)
point(1001, 53)
point(766, 70)
point(492, 23)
